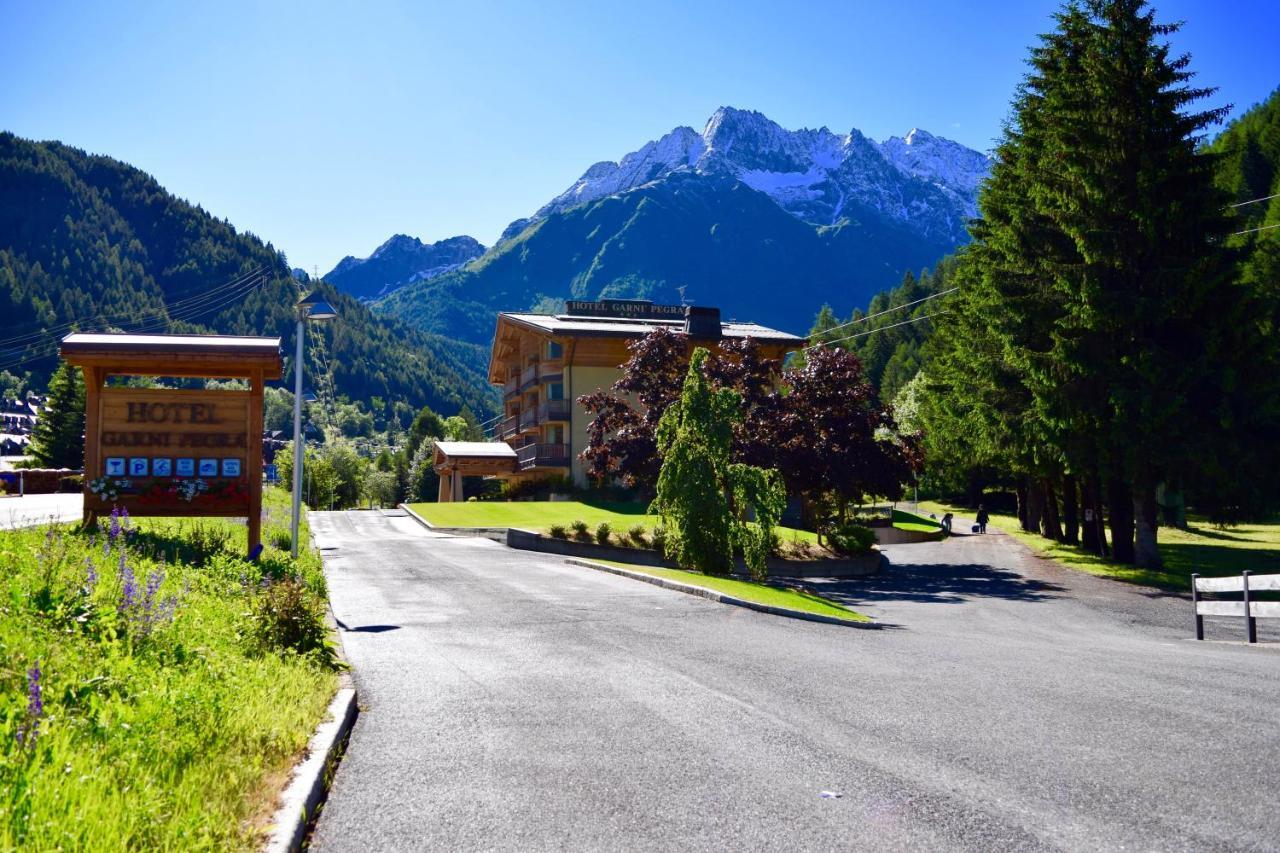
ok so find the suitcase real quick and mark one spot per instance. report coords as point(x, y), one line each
point(975, 528)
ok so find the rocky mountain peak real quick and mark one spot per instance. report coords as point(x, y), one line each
point(928, 183)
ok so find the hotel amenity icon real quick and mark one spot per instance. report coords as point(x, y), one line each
point(208, 467)
point(115, 466)
point(138, 466)
point(186, 467)
point(161, 467)
point(231, 467)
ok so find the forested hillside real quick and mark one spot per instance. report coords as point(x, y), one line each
point(1249, 170)
point(90, 243)
point(726, 244)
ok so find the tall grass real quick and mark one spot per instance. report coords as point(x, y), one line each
point(163, 703)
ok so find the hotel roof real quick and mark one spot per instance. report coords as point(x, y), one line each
point(627, 327)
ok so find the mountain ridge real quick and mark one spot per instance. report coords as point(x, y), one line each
point(402, 260)
point(829, 218)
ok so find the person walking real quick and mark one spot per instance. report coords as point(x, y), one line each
point(982, 518)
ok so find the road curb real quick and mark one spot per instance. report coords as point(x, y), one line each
point(703, 592)
point(309, 785)
point(497, 534)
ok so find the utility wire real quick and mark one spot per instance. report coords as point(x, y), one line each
point(178, 305)
point(198, 307)
point(889, 310)
point(1252, 230)
point(1255, 200)
point(873, 331)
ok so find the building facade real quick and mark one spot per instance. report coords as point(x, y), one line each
point(545, 362)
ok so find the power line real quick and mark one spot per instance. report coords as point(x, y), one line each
point(889, 310)
point(873, 331)
point(1255, 200)
point(1252, 230)
point(177, 305)
point(196, 307)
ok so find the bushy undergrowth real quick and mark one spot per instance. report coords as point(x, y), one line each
point(151, 678)
point(850, 538)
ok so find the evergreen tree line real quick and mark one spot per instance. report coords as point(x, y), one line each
point(1109, 348)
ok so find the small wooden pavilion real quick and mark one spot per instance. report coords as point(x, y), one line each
point(457, 459)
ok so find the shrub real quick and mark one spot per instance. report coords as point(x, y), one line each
point(636, 534)
point(280, 538)
point(558, 531)
point(204, 540)
point(581, 531)
point(800, 550)
point(602, 533)
point(851, 539)
point(775, 544)
point(660, 540)
point(289, 618)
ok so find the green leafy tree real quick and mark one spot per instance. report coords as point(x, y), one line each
point(701, 494)
point(381, 487)
point(422, 480)
point(58, 438)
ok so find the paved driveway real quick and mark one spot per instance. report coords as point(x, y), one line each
point(29, 510)
point(510, 701)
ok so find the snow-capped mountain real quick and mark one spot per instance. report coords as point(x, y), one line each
point(928, 183)
point(400, 261)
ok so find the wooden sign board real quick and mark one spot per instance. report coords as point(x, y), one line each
point(160, 451)
point(173, 452)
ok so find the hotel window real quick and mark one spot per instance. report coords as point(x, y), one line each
point(554, 350)
point(555, 390)
point(555, 434)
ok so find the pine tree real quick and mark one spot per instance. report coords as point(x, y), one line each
point(58, 438)
point(1102, 298)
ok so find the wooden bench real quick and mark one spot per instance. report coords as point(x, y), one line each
point(1246, 584)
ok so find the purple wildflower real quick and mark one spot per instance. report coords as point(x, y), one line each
point(124, 518)
point(128, 587)
point(29, 730)
point(90, 574)
point(113, 532)
point(35, 701)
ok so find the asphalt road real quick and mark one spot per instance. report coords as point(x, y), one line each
point(30, 510)
point(510, 701)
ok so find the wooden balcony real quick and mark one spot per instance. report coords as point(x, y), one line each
point(542, 456)
point(551, 371)
point(553, 410)
point(511, 387)
point(528, 419)
point(528, 377)
point(509, 427)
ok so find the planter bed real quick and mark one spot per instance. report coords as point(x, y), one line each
point(857, 566)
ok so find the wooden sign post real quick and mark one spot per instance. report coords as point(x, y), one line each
point(174, 452)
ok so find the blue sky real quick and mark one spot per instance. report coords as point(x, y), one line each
point(327, 127)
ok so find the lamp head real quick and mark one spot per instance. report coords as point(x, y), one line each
point(314, 307)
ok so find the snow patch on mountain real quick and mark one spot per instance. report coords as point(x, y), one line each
point(925, 181)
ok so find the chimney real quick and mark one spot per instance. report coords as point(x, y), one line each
point(702, 322)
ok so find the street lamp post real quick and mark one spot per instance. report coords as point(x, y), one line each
point(310, 308)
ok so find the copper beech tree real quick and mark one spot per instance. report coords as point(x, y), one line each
point(821, 425)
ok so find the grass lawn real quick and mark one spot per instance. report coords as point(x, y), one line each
point(1202, 548)
point(772, 596)
point(541, 515)
point(168, 707)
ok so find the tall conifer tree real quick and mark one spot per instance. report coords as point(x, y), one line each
point(58, 438)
